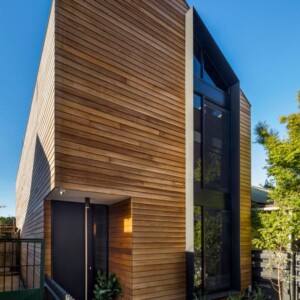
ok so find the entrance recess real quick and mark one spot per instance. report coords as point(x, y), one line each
point(79, 245)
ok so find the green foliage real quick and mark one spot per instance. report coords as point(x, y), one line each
point(198, 248)
point(212, 238)
point(283, 168)
point(199, 297)
point(197, 172)
point(258, 294)
point(279, 230)
point(236, 297)
point(7, 220)
point(107, 287)
point(273, 229)
point(269, 184)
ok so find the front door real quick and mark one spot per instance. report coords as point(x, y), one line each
point(79, 246)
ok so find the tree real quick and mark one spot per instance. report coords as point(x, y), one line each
point(280, 230)
point(267, 185)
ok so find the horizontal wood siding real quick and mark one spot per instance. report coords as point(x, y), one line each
point(120, 244)
point(119, 126)
point(47, 236)
point(35, 177)
point(36, 169)
point(245, 191)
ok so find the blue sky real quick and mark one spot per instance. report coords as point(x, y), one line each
point(260, 39)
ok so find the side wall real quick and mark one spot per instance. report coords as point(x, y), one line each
point(245, 191)
point(47, 236)
point(120, 126)
point(35, 176)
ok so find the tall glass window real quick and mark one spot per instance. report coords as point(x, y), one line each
point(216, 249)
point(197, 141)
point(212, 161)
point(217, 149)
point(198, 259)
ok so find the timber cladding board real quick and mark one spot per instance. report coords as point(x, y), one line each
point(35, 177)
point(47, 236)
point(120, 244)
point(245, 191)
point(120, 129)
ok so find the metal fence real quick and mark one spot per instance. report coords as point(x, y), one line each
point(265, 266)
point(21, 268)
point(53, 291)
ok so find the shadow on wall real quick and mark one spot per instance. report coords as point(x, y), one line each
point(33, 226)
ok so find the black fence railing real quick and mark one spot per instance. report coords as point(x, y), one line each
point(21, 268)
point(53, 291)
point(267, 267)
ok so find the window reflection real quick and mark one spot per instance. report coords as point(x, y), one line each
point(197, 140)
point(197, 67)
point(211, 234)
point(216, 249)
point(217, 149)
point(211, 74)
point(198, 284)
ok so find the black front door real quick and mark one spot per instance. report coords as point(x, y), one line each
point(70, 249)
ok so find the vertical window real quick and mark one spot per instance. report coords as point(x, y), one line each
point(204, 69)
point(197, 67)
point(197, 141)
point(211, 74)
point(198, 270)
point(216, 249)
point(212, 161)
point(217, 145)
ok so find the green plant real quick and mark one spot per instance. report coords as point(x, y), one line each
point(199, 297)
point(236, 297)
point(107, 287)
point(258, 294)
point(278, 230)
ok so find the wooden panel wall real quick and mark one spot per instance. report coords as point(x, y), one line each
point(245, 191)
point(35, 176)
point(47, 236)
point(120, 117)
point(120, 244)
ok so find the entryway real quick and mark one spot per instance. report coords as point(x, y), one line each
point(79, 245)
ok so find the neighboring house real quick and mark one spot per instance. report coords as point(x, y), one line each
point(136, 158)
point(260, 199)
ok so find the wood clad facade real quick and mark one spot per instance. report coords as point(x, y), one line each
point(119, 129)
point(120, 244)
point(108, 120)
point(245, 191)
point(36, 170)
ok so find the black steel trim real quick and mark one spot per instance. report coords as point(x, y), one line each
point(235, 186)
point(207, 42)
point(216, 95)
point(89, 248)
point(231, 101)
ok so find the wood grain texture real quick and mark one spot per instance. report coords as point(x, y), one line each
point(119, 129)
point(120, 244)
point(35, 177)
point(245, 191)
point(47, 236)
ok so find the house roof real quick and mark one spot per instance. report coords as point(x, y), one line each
point(259, 195)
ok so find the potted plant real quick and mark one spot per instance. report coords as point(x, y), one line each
point(107, 286)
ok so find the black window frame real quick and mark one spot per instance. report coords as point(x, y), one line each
point(228, 99)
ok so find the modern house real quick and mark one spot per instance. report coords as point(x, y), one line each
point(136, 158)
